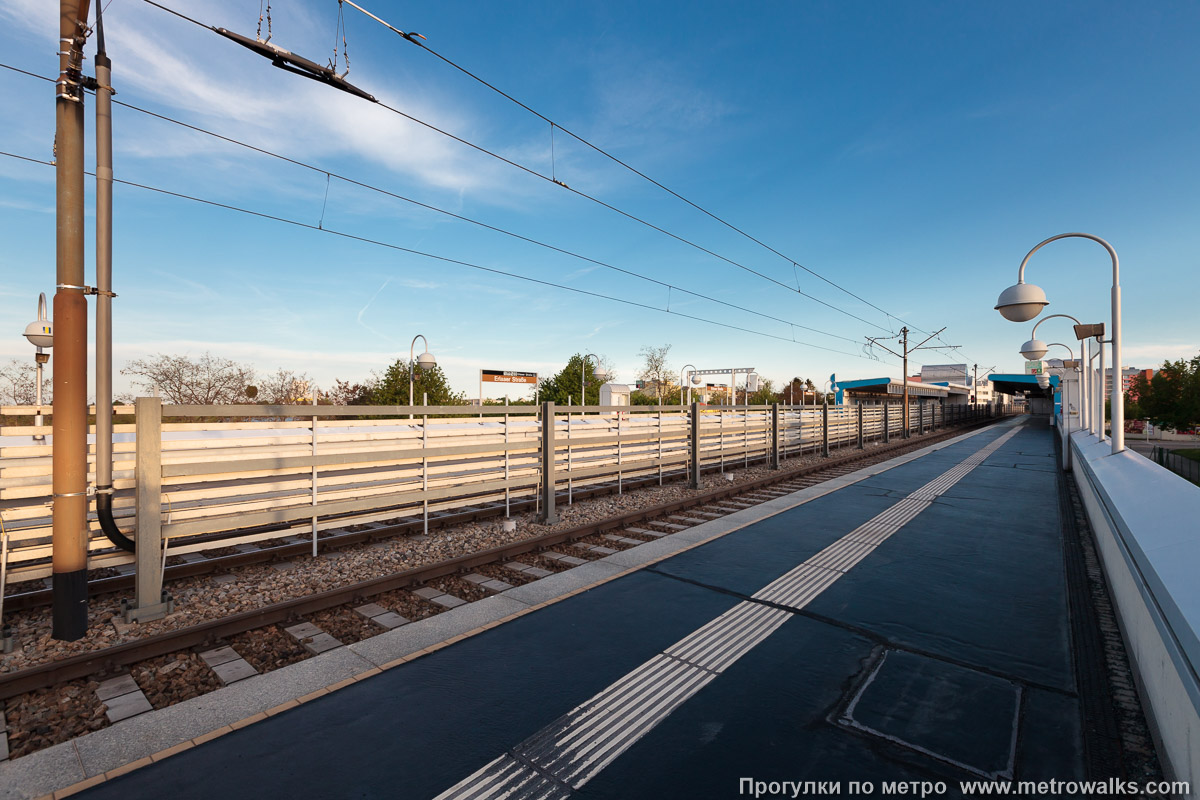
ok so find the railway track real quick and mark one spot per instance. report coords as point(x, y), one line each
point(542, 555)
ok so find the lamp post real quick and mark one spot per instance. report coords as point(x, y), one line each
point(1035, 348)
point(583, 376)
point(40, 334)
point(1024, 301)
point(692, 379)
point(424, 361)
point(1065, 389)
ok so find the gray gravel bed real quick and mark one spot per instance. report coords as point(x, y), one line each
point(344, 625)
point(454, 585)
point(407, 604)
point(45, 717)
point(502, 573)
point(268, 649)
point(171, 679)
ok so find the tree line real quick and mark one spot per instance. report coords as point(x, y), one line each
point(1170, 399)
point(213, 380)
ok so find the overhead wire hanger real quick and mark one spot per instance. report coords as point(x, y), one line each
point(553, 175)
point(340, 27)
point(258, 33)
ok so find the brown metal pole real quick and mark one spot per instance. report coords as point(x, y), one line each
point(69, 543)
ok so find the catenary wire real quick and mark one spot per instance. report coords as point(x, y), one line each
point(424, 46)
point(443, 259)
point(460, 217)
point(466, 219)
point(582, 194)
point(479, 223)
point(412, 39)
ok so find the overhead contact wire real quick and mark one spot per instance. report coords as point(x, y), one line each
point(585, 195)
point(626, 165)
point(460, 217)
point(436, 257)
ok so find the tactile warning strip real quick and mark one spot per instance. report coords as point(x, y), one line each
point(570, 751)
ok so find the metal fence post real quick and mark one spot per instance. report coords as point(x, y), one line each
point(920, 418)
point(149, 602)
point(860, 426)
point(549, 515)
point(775, 436)
point(887, 432)
point(694, 447)
point(825, 429)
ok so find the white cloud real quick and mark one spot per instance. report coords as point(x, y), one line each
point(178, 69)
point(1151, 356)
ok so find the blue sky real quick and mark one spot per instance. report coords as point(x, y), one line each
point(910, 152)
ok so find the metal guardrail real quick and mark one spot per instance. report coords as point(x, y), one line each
point(268, 472)
point(1181, 466)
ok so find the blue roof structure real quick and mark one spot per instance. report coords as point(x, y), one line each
point(892, 387)
point(1019, 384)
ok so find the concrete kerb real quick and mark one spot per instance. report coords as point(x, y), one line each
point(158, 734)
point(41, 772)
point(417, 636)
point(552, 586)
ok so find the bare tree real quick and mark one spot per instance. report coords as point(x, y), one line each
point(208, 380)
point(18, 384)
point(655, 368)
point(345, 393)
point(285, 388)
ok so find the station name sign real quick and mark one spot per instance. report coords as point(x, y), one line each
point(507, 376)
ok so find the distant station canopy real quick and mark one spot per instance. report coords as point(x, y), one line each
point(1023, 384)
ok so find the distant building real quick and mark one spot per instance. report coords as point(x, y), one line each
point(1127, 375)
point(945, 373)
point(984, 391)
point(1144, 373)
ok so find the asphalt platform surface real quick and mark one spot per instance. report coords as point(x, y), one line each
point(943, 654)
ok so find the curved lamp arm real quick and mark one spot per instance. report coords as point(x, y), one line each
point(412, 369)
point(1052, 316)
point(412, 347)
point(681, 382)
point(1118, 405)
point(1060, 344)
point(1106, 245)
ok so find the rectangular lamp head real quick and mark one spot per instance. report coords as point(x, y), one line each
point(1088, 331)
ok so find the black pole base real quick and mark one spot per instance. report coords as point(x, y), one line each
point(70, 605)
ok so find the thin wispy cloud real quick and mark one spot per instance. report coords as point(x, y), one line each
point(25, 205)
point(1151, 355)
point(189, 73)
